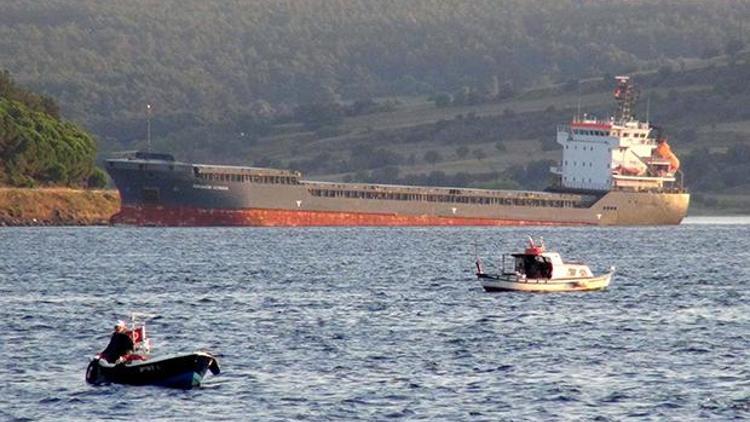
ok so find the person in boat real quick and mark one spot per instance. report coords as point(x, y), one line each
point(535, 266)
point(120, 344)
point(547, 269)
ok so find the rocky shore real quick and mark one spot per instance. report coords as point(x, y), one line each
point(57, 206)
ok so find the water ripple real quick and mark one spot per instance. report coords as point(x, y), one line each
point(371, 323)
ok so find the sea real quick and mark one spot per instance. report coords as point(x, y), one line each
point(380, 323)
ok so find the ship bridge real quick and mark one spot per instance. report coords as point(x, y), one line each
point(619, 152)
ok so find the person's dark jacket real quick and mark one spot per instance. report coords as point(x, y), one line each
point(119, 345)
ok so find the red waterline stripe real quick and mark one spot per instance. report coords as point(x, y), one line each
point(184, 216)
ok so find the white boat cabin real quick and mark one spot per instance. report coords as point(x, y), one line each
point(547, 265)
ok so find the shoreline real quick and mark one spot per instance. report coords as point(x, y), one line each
point(57, 206)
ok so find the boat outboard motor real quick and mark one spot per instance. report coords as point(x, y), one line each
point(214, 367)
point(93, 373)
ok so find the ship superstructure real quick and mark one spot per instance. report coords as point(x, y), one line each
point(614, 172)
point(619, 153)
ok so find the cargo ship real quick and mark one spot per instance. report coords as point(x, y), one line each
point(617, 171)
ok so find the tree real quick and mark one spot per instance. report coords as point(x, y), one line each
point(478, 154)
point(733, 46)
point(442, 100)
point(432, 157)
point(98, 179)
point(387, 174)
point(37, 147)
point(462, 152)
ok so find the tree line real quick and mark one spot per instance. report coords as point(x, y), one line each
point(209, 62)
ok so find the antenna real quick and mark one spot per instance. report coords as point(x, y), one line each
point(148, 127)
point(648, 108)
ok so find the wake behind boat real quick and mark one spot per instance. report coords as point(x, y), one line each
point(126, 360)
point(536, 270)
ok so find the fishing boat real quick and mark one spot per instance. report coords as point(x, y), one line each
point(537, 270)
point(183, 371)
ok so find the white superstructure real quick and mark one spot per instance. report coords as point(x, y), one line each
point(622, 152)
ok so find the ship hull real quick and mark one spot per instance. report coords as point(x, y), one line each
point(196, 217)
point(168, 193)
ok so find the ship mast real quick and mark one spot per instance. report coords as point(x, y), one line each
point(148, 127)
point(626, 95)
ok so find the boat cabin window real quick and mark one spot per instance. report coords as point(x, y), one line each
point(534, 266)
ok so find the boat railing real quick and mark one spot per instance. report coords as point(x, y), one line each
point(662, 189)
point(680, 179)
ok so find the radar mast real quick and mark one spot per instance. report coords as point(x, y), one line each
point(626, 95)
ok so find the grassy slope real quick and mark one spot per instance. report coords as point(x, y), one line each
point(303, 145)
point(57, 206)
point(418, 111)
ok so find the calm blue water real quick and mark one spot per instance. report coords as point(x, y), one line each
point(380, 323)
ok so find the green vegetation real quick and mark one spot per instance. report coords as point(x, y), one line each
point(437, 92)
point(36, 147)
point(210, 63)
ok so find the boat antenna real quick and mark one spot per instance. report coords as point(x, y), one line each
point(578, 108)
point(148, 127)
point(478, 261)
point(648, 108)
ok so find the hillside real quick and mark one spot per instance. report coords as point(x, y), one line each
point(232, 63)
point(431, 92)
point(510, 143)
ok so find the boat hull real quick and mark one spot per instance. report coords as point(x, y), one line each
point(184, 372)
point(166, 193)
point(499, 283)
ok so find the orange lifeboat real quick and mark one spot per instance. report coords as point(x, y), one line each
point(664, 151)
